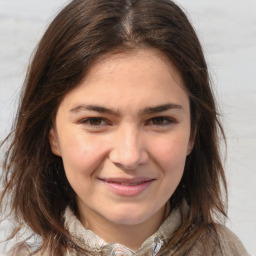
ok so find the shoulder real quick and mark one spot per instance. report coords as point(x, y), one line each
point(230, 244)
point(218, 240)
point(23, 249)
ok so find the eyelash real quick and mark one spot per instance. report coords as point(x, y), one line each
point(165, 121)
point(88, 121)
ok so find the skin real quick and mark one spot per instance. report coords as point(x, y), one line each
point(127, 121)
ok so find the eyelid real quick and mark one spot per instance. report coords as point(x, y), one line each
point(167, 120)
point(86, 121)
point(103, 122)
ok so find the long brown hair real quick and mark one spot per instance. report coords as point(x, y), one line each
point(34, 179)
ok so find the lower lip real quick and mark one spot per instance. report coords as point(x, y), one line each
point(126, 190)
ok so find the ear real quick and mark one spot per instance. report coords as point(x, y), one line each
point(190, 145)
point(53, 140)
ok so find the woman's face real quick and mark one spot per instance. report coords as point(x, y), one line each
point(123, 134)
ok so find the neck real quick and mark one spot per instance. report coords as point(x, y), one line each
point(131, 236)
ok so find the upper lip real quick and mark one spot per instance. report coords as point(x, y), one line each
point(127, 180)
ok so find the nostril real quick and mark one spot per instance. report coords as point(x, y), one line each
point(128, 159)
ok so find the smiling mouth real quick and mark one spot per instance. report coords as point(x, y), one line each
point(127, 187)
point(127, 184)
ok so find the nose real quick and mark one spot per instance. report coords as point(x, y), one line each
point(128, 149)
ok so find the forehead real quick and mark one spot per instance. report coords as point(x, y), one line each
point(116, 60)
point(130, 78)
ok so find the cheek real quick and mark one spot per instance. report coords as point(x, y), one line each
point(80, 154)
point(171, 153)
point(170, 156)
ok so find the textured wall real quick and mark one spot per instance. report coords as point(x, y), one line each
point(227, 29)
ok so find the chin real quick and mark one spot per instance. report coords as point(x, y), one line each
point(128, 217)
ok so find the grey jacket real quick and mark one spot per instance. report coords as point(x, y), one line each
point(228, 245)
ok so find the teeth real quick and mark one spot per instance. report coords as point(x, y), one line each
point(127, 184)
point(131, 184)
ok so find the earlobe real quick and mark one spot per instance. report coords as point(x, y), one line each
point(53, 140)
point(190, 147)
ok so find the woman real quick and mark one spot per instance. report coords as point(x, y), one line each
point(115, 147)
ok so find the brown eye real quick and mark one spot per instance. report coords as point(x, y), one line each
point(158, 120)
point(95, 121)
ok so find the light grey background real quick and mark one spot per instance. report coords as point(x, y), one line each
point(227, 29)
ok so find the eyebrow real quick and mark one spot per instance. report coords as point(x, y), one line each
point(147, 110)
point(95, 108)
point(161, 108)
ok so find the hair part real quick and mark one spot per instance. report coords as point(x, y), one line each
point(34, 179)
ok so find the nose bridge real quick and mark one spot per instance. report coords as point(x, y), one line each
point(129, 150)
point(131, 136)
